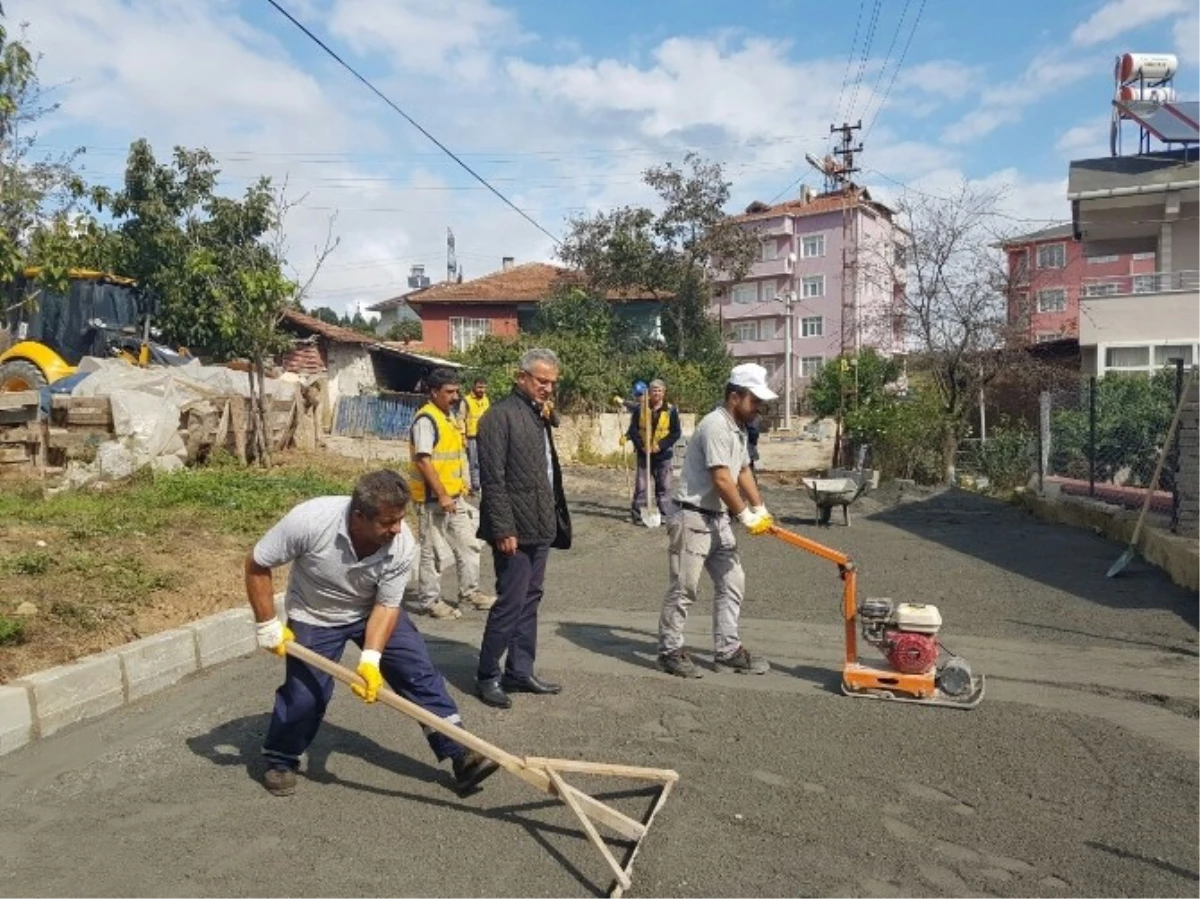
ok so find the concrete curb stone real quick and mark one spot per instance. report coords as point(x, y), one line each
point(16, 718)
point(44, 702)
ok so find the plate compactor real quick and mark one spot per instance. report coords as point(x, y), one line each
point(921, 669)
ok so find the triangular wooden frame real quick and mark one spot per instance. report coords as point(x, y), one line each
point(544, 774)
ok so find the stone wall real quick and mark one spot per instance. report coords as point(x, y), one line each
point(1188, 468)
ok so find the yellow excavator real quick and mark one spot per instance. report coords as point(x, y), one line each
point(49, 332)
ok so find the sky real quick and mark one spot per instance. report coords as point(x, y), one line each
point(562, 105)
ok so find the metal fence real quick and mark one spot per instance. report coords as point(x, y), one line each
point(1102, 439)
point(389, 416)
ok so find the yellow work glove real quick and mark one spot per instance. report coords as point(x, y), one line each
point(368, 670)
point(272, 635)
point(755, 522)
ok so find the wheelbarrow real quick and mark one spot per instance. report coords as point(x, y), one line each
point(829, 492)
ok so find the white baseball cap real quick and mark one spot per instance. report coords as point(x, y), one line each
point(752, 377)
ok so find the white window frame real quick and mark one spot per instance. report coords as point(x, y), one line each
point(1142, 256)
point(1045, 248)
point(1102, 289)
point(812, 280)
point(807, 364)
point(747, 290)
point(465, 332)
point(1102, 260)
point(1020, 266)
point(1041, 300)
point(812, 326)
point(1152, 352)
point(770, 250)
point(745, 331)
point(819, 243)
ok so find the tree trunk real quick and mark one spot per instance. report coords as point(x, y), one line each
point(949, 452)
point(261, 428)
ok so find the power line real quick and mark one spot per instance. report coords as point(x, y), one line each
point(896, 71)
point(349, 68)
point(888, 56)
point(862, 63)
point(837, 110)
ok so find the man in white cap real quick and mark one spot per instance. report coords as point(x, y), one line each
point(715, 484)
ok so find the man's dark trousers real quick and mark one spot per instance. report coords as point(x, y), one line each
point(301, 701)
point(512, 621)
point(660, 469)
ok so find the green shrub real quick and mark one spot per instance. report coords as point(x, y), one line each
point(30, 564)
point(12, 631)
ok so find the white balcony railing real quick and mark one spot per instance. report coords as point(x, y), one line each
point(1130, 285)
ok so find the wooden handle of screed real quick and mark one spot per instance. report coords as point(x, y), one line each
point(1162, 458)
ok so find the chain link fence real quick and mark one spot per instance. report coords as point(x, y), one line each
point(1102, 438)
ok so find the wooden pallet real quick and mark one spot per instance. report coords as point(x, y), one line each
point(22, 436)
point(544, 774)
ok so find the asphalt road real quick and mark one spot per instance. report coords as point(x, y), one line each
point(1076, 776)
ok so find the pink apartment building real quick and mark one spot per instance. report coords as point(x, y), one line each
point(1049, 274)
point(802, 243)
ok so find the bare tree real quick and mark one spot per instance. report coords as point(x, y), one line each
point(953, 309)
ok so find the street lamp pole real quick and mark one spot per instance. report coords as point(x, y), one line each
point(788, 323)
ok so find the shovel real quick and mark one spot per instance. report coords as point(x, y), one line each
point(650, 516)
point(1126, 557)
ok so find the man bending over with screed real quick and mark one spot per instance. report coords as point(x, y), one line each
point(716, 482)
point(351, 557)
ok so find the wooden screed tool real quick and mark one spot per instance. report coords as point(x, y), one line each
point(545, 774)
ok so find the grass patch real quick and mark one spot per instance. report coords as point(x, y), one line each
point(30, 564)
point(228, 499)
point(12, 631)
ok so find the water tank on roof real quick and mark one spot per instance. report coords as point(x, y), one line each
point(1153, 67)
point(1156, 95)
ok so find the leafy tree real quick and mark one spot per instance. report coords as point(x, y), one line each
point(859, 382)
point(325, 314)
point(671, 254)
point(39, 195)
point(406, 331)
point(215, 262)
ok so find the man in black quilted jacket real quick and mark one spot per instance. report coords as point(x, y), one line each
point(522, 516)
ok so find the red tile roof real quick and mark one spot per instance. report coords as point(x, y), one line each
point(531, 282)
point(822, 203)
point(336, 333)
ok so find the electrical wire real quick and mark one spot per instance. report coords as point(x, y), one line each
point(862, 63)
point(896, 71)
point(382, 96)
point(849, 61)
point(888, 56)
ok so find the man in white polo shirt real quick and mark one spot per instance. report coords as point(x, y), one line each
point(351, 557)
point(716, 481)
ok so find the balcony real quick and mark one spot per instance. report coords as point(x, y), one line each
point(775, 268)
point(1139, 308)
point(777, 227)
point(1131, 285)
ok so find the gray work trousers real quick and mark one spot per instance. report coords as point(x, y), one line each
point(444, 535)
point(702, 543)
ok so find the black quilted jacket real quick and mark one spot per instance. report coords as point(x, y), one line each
point(517, 496)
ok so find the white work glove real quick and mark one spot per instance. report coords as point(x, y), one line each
point(272, 635)
point(754, 521)
point(760, 510)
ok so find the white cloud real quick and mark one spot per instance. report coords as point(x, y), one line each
point(1005, 103)
point(1086, 140)
point(1187, 39)
point(946, 78)
point(1120, 16)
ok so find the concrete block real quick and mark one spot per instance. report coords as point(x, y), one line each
point(156, 662)
point(16, 718)
point(222, 637)
point(74, 692)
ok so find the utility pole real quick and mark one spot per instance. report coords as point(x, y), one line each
point(789, 323)
point(842, 176)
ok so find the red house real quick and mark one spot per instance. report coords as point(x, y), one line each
point(1048, 273)
point(455, 315)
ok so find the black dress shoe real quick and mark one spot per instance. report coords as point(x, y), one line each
point(491, 694)
point(530, 684)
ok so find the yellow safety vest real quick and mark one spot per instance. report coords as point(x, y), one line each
point(447, 456)
point(661, 428)
point(475, 409)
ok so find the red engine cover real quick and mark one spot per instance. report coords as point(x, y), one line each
point(911, 653)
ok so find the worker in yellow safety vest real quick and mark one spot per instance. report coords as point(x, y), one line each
point(446, 521)
point(476, 403)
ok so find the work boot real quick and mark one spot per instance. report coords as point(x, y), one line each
point(529, 684)
point(742, 662)
point(481, 601)
point(280, 781)
point(441, 610)
point(679, 663)
point(471, 769)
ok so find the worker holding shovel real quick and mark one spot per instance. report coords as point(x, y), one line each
point(653, 430)
point(351, 557)
point(716, 483)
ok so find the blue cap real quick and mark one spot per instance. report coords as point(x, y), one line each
point(639, 388)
